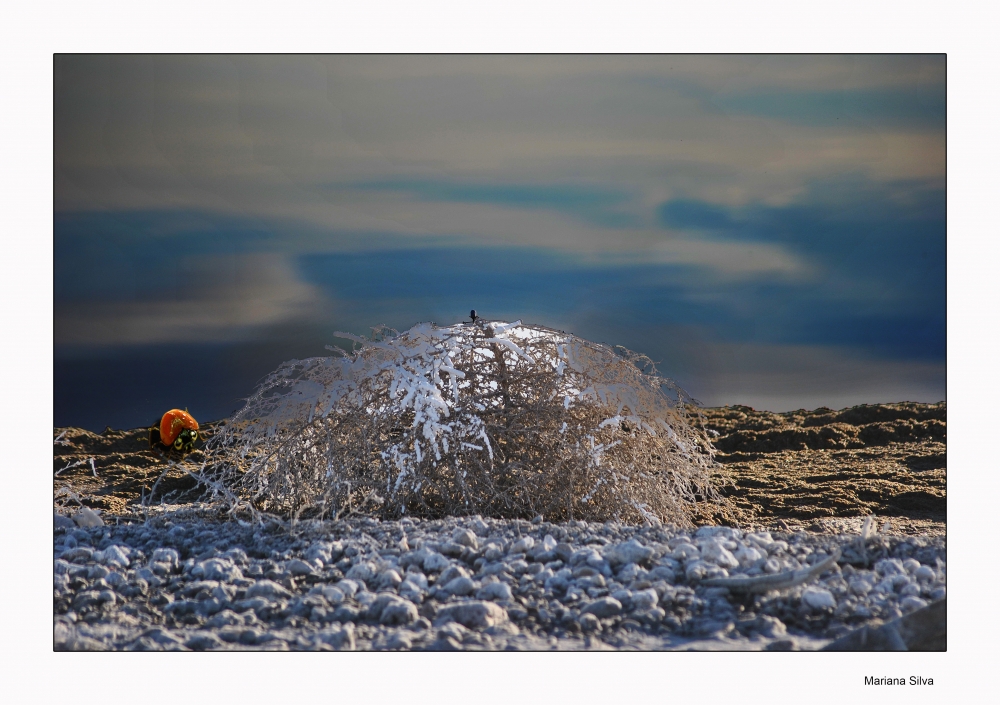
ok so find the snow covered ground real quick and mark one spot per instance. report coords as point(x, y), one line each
point(184, 581)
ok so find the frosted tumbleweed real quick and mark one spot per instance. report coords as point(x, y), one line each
point(498, 419)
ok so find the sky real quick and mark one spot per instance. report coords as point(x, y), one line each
point(770, 230)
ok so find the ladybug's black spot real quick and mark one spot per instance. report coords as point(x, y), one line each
point(184, 443)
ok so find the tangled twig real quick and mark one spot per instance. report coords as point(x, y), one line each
point(499, 419)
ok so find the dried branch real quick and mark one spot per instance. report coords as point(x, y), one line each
point(778, 581)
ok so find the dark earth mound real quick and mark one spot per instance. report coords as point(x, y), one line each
point(799, 469)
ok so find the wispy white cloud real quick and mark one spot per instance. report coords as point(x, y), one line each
point(222, 299)
point(266, 135)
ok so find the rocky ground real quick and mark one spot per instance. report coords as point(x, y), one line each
point(157, 570)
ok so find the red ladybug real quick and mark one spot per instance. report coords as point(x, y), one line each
point(177, 431)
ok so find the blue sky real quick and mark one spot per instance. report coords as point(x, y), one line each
point(770, 230)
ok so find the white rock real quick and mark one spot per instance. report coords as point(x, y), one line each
point(629, 552)
point(495, 591)
point(411, 591)
point(713, 551)
point(476, 614)
point(389, 579)
point(349, 587)
point(418, 579)
point(464, 537)
point(517, 567)
point(776, 547)
point(114, 555)
point(224, 593)
point(460, 586)
point(450, 548)
point(911, 603)
point(723, 532)
point(204, 641)
point(453, 630)
point(884, 587)
point(236, 555)
point(400, 640)
point(699, 570)
point(414, 557)
point(522, 545)
point(452, 572)
point(549, 543)
point(645, 599)
point(503, 629)
point(268, 589)
point(685, 551)
point(380, 602)
point(860, 586)
point(497, 568)
point(225, 618)
point(340, 638)
point(297, 566)
point(363, 571)
point(924, 573)
point(900, 581)
point(819, 599)
point(604, 607)
point(217, 569)
point(435, 562)
point(623, 595)
point(87, 518)
point(771, 627)
point(165, 555)
point(399, 612)
point(628, 572)
point(748, 554)
point(321, 550)
point(161, 569)
point(333, 594)
point(662, 572)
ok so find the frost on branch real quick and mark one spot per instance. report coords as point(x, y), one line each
point(499, 419)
